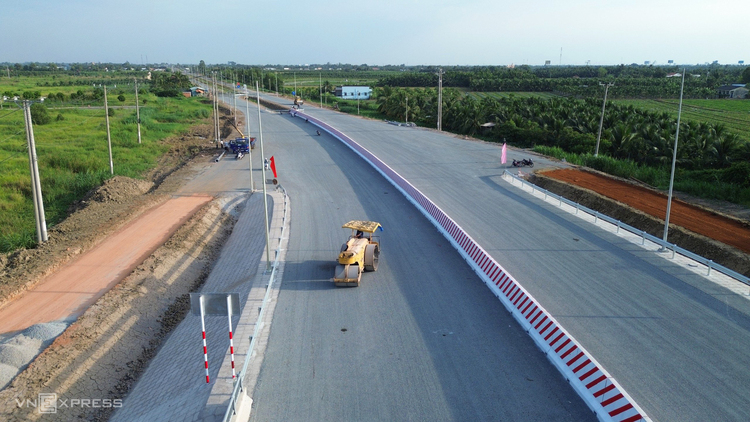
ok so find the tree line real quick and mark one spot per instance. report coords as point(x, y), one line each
point(571, 124)
point(582, 82)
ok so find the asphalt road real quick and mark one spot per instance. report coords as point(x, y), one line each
point(676, 342)
point(420, 339)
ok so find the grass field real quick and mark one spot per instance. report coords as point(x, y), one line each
point(73, 155)
point(734, 114)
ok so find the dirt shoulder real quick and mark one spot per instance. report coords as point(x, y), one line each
point(723, 238)
point(103, 352)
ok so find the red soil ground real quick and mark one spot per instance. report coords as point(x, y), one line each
point(695, 219)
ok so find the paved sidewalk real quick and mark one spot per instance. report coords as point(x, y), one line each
point(174, 386)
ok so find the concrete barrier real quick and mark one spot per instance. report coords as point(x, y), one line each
point(599, 390)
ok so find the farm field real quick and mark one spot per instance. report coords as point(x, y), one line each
point(734, 114)
point(72, 149)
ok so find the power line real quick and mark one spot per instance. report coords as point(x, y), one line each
point(8, 114)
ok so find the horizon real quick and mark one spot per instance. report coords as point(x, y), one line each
point(465, 33)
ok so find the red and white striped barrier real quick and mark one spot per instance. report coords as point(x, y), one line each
point(205, 349)
point(231, 340)
point(598, 389)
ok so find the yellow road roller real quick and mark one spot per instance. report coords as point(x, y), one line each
point(361, 252)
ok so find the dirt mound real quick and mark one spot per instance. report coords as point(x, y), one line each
point(621, 200)
point(101, 212)
point(120, 188)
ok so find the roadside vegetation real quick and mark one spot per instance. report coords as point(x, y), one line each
point(71, 140)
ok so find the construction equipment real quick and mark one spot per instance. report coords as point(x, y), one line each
point(241, 146)
point(361, 252)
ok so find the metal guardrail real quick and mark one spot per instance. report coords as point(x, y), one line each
point(709, 264)
point(239, 386)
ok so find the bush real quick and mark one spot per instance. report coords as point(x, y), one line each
point(168, 93)
point(111, 112)
point(59, 117)
point(738, 174)
point(121, 98)
point(39, 115)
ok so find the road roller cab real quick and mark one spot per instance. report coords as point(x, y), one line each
point(361, 252)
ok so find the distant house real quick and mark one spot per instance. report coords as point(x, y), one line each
point(196, 91)
point(354, 92)
point(733, 91)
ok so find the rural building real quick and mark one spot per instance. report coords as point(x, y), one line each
point(353, 92)
point(733, 91)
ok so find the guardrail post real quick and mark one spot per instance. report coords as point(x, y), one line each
point(643, 237)
point(709, 264)
point(618, 226)
point(596, 217)
point(673, 250)
point(577, 208)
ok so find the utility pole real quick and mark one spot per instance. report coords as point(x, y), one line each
point(36, 186)
point(263, 172)
point(295, 86)
point(320, 88)
point(234, 90)
point(601, 120)
point(109, 138)
point(216, 113)
point(440, 101)
point(277, 83)
point(137, 110)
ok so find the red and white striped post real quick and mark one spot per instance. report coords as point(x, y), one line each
point(231, 341)
point(205, 350)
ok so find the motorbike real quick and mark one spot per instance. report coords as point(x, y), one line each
point(523, 163)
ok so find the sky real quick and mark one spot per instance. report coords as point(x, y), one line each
point(375, 32)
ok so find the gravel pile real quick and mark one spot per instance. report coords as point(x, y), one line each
point(18, 350)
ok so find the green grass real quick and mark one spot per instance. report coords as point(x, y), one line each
point(73, 156)
point(734, 114)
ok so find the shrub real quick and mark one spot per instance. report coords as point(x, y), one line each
point(121, 98)
point(111, 112)
point(39, 115)
point(59, 117)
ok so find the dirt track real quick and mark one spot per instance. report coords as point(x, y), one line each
point(726, 230)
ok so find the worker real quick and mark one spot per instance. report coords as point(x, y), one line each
point(359, 234)
point(318, 132)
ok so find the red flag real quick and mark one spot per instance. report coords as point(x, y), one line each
point(273, 167)
point(504, 156)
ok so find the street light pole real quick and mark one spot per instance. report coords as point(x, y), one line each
point(263, 182)
point(674, 161)
point(249, 146)
point(601, 120)
point(440, 101)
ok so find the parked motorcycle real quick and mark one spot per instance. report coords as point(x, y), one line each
point(523, 163)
